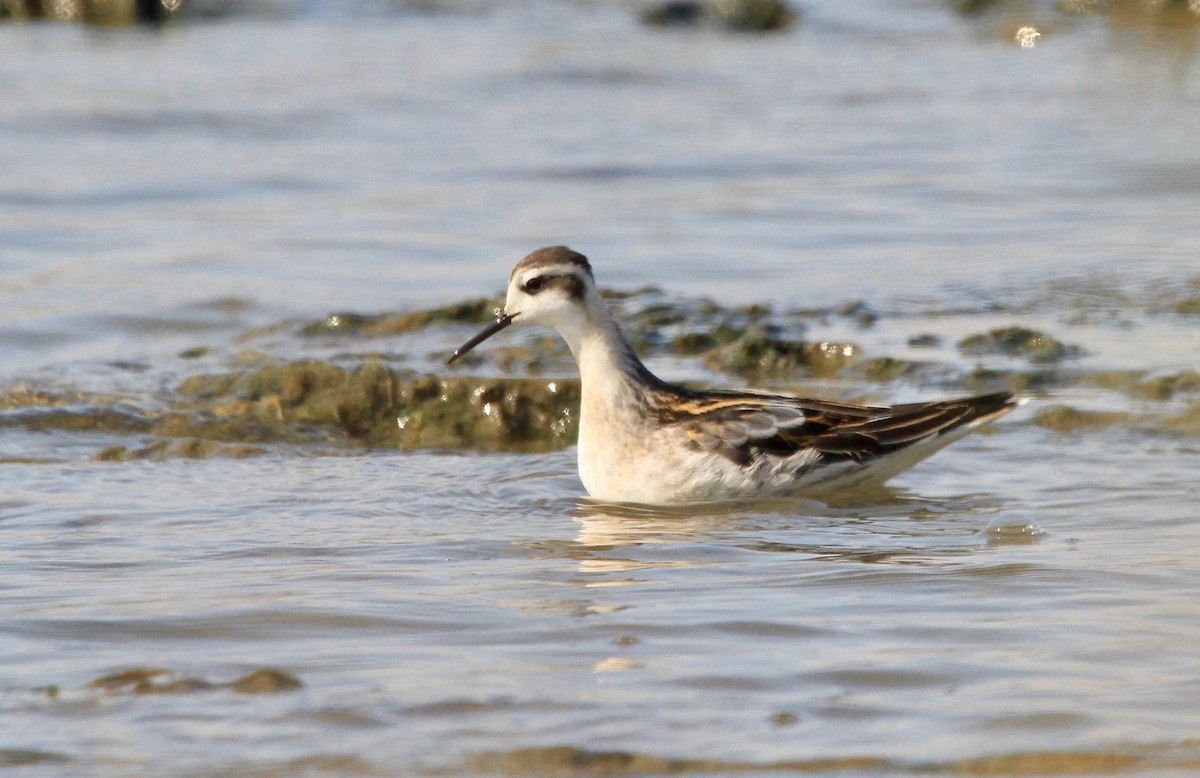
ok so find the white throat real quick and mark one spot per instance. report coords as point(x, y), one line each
point(606, 360)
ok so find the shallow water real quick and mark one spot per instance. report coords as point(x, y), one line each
point(180, 201)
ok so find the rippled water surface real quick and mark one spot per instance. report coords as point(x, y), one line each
point(179, 201)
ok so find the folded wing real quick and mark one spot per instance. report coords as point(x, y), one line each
point(745, 426)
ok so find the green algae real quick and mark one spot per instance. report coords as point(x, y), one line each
point(187, 448)
point(656, 316)
point(758, 355)
point(185, 685)
point(859, 312)
point(159, 680)
point(1167, 386)
point(886, 369)
point(266, 680)
point(1188, 307)
point(26, 757)
point(1186, 422)
point(477, 311)
point(356, 402)
point(371, 405)
point(98, 12)
point(314, 392)
point(925, 340)
point(1036, 347)
point(983, 379)
point(128, 678)
point(374, 406)
point(23, 396)
point(1064, 418)
point(81, 419)
point(543, 354)
point(691, 344)
point(41, 410)
point(208, 386)
point(490, 414)
point(574, 761)
point(753, 15)
point(1130, 13)
point(730, 15)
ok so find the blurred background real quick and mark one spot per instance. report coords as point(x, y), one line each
point(301, 157)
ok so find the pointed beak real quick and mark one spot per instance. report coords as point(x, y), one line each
point(502, 321)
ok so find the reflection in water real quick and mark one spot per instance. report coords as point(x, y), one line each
point(617, 524)
point(618, 544)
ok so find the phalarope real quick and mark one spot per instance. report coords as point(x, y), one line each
point(644, 440)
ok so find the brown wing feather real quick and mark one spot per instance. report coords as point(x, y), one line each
point(742, 425)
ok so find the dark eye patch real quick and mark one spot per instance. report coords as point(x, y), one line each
point(567, 282)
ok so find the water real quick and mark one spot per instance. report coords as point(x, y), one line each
point(1023, 604)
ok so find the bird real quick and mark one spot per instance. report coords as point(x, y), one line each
point(644, 440)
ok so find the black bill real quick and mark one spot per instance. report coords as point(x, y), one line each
point(502, 321)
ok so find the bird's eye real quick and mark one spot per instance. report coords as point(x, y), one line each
point(535, 284)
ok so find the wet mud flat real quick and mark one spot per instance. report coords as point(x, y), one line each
point(521, 394)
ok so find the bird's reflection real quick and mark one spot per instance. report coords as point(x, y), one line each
point(605, 524)
point(617, 541)
point(630, 545)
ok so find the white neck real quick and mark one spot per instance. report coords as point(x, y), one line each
point(613, 400)
point(600, 348)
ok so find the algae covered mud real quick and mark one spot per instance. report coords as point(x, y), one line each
point(358, 400)
point(252, 524)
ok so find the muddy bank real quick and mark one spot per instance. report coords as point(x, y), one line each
point(373, 405)
point(494, 400)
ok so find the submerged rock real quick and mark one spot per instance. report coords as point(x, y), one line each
point(35, 409)
point(752, 15)
point(732, 15)
point(1035, 346)
point(1188, 307)
point(1063, 418)
point(859, 312)
point(311, 401)
point(21, 396)
point(174, 686)
point(983, 379)
point(102, 12)
point(188, 448)
point(1167, 386)
point(92, 417)
point(24, 757)
point(1186, 422)
point(573, 761)
point(372, 405)
point(756, 355)
point(924, 340)
point(157, 680)
point(675, 13)
point(477, 311)
point(492, 414)
point(128, 678)
point(268, 680)
point(884, 369)
point(148, 680)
